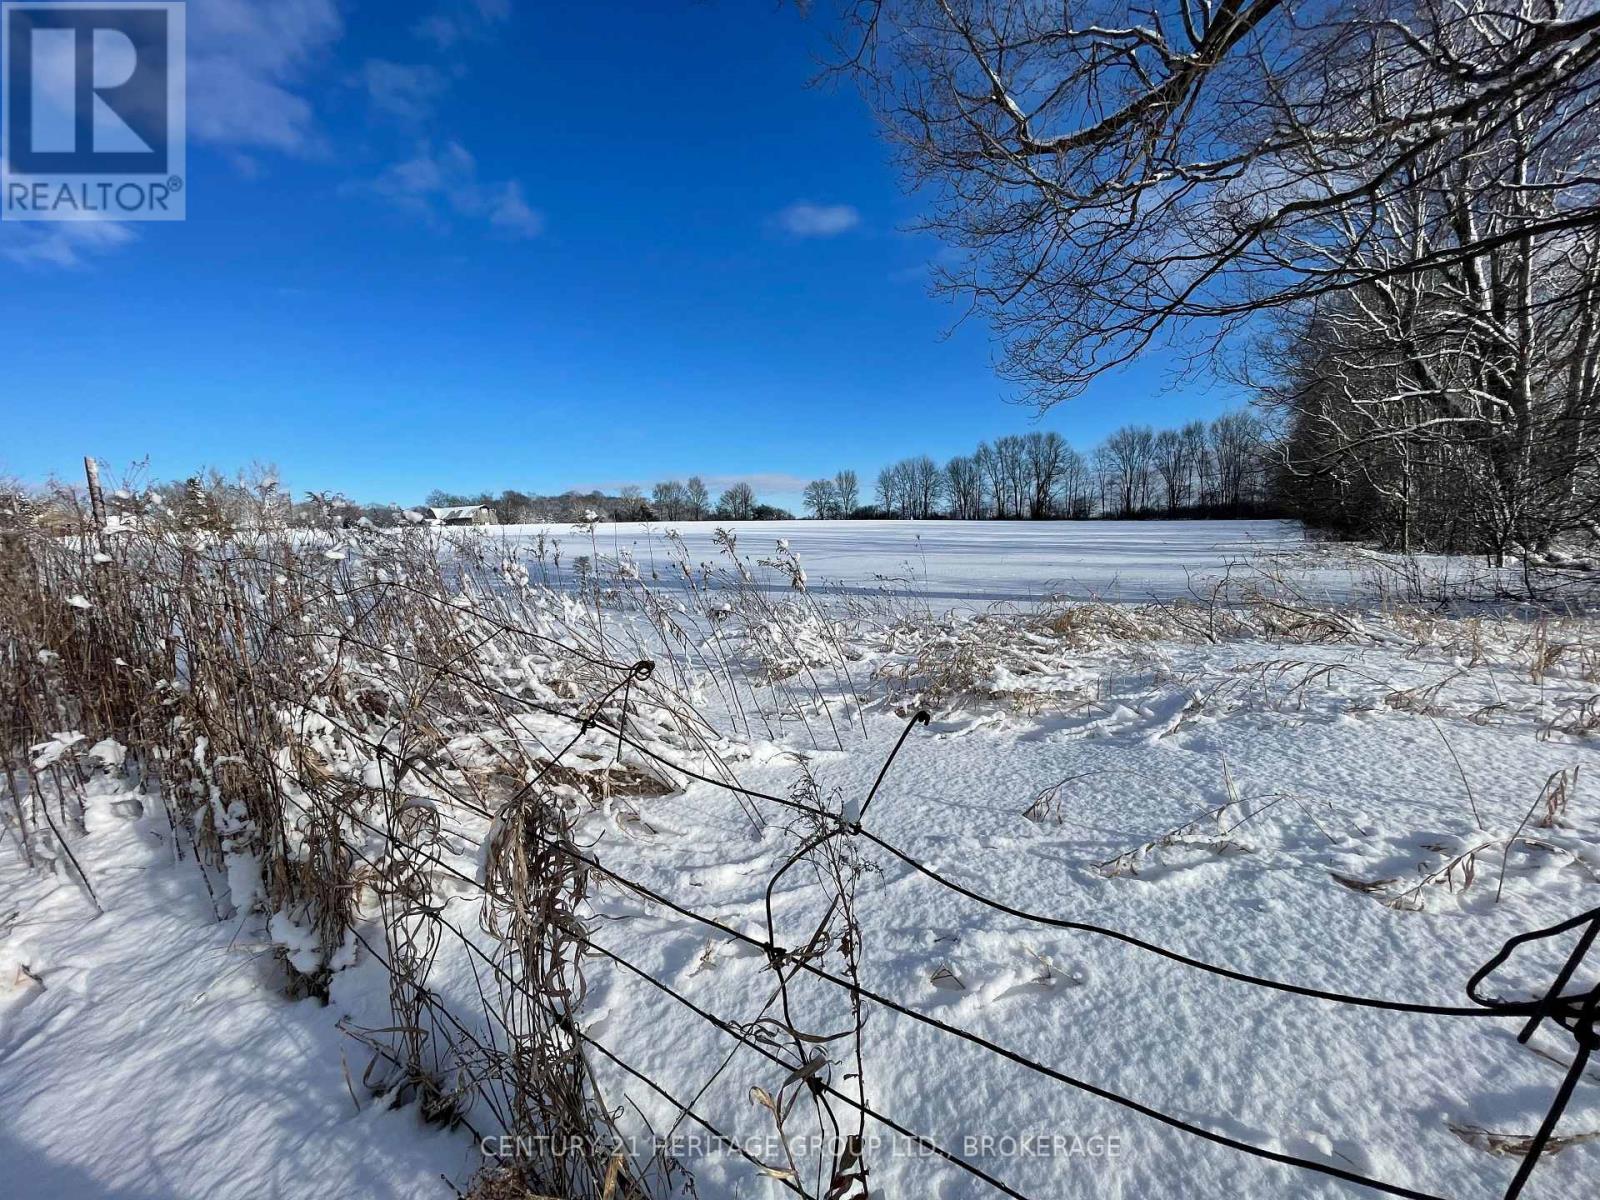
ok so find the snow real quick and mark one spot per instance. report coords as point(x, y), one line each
point(1372, 794)
point(1259, 799)
point(150, 1052)
point(975, 564)
point(48, 753)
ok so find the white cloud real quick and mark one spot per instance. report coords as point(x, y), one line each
point(805, 220)
point(944, 258)
point(440, 180)
point(247, 58)
point(402, 91)
point(59, 243)
point(247, 61)
point(461, 21)
point(509, 211)
point(762, 481)
point(436, 184)
point(765, 483)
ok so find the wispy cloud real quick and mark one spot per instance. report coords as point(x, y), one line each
point(762, 481)
point(765, 483)
point(509, 211)
point(60, 243)
point(404, 92)
point(944, 258)
point(247, 62)
point(67, 244)
point(806, 220)
point(437, 184)
point(461, 21)
point(439, 181)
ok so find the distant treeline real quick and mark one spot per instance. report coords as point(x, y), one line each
point(668, 501)
point(1203, 469)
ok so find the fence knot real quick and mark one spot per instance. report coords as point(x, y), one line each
point(776, 955)
point(642, 670)
point(1576, 1011)
point(1586, 1024)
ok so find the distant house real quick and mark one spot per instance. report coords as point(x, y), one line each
point(463, 514)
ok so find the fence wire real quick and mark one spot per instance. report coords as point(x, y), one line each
point(1575, 1012)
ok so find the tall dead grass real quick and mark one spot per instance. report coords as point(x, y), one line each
point(318, 717)
point(318, 714)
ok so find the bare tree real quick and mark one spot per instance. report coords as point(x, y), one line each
point(1046, 454)
point(992, 471)
point(1115, 168)
point(965, 482)
point(737, 503)
point(1457, 409)
point(670, 500)
point(1171, 460)
point(1107, 480)
point(925, 485)
point(1076, 499)
point(1011, 458)
point(849, 492)
point(887, 492)
point(1197, 450)
point(821, 499)
point(1235, 445)
point(629, 505)
point(1131, 450)
point(697, 500)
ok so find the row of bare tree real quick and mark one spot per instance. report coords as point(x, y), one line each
point(1218, 468)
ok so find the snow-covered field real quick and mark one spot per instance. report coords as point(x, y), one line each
point(975, 564)
point(1360, 801)
point(970, 562)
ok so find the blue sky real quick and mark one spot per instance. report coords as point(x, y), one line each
point(478, 244)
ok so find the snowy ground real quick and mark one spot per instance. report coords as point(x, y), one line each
point(146, 1053)
point(976, 564)
point(149, 1053)
point(1347, 783)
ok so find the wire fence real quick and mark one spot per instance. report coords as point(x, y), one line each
point(533, 877)
point(1575, 1012)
